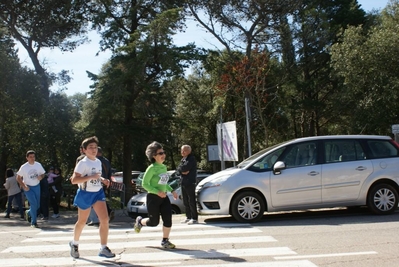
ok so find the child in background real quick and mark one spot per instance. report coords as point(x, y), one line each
point(50, 178)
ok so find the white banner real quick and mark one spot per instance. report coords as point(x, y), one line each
point(230, 148)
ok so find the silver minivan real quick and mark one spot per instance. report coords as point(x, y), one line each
point(307, 173)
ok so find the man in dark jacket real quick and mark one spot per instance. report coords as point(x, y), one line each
point(188, 172)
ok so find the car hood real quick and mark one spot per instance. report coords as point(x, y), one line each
point(226, 172)
point(142, 197)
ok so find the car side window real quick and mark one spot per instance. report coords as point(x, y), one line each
point(266, 163)
point(343, 150)
point(382, 149)
point(302, 154)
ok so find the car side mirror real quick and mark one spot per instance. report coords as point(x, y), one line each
point(278, 166)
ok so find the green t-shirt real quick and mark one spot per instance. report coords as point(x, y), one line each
point(156, 179)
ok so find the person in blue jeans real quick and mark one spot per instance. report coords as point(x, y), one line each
point(28, 177)
point(14, 192)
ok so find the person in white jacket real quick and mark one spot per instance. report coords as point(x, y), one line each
point(14, 192)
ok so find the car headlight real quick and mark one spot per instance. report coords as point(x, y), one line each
point(216, 182)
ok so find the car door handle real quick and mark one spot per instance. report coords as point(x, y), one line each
point(361, 168)
point(313, 173)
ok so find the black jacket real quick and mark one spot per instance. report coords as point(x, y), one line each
point(188, 164)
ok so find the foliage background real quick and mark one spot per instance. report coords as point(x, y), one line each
point(309, 67)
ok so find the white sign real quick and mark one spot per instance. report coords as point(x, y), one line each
point(213, 152)
point(395, 128)
point(230, 149)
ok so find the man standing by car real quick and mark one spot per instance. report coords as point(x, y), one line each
point(188, 173)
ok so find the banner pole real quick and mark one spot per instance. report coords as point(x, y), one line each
point(221, 140)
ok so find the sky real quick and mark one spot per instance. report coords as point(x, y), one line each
point(84, 57)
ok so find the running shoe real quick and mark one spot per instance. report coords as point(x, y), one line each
point(138, 225)
point(192, 221)
point(27, 216)
point(106, 252)
point(167, 244)
point(55, 216)
point(185, 221)
point(74, 250)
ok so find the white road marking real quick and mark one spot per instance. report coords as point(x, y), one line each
point(91, 229)
point(132, 234)
point(185, 254)
point(301, 263)
point(326, 255)
point(138, 244)
point(146, 257)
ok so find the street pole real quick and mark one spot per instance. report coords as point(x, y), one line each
point(247, 116)
point(221, 140)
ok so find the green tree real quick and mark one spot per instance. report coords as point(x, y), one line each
point(21, 103)
point(140, 34)
point(368, 62)
point(195, 120)
point(38, 24)
point(310, 89)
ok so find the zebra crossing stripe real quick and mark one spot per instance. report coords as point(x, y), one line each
point(92, 230)
point(132, 234)
point(301, 263)
point(209, 254)
point(175, 255)
point(141, 243)
point(328, 255)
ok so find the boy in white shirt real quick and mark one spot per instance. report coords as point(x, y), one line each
point(28, 177)
point(87, 175)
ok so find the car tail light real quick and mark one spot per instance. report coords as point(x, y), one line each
point(395, 143)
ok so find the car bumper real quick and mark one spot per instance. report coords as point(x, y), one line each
point(211, 201)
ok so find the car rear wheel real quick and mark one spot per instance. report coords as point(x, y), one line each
point(383, 199)
point(247, 207)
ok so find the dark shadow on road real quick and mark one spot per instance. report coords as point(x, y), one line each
point(336, 216)
point(210, 254)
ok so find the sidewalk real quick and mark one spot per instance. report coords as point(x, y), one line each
point(67, 218)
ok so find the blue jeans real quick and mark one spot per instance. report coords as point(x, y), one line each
point(18, 198)
point(33, 196)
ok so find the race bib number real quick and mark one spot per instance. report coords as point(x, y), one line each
point(95, 182)
point(163, 178)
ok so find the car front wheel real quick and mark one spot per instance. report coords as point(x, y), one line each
point(383, 199)
point(247, 207)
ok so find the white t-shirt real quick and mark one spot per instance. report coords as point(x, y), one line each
point(88, 167)
point(30, 173)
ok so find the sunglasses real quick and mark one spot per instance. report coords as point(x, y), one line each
point(161, 153)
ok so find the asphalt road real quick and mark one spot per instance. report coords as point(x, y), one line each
point(333, 238)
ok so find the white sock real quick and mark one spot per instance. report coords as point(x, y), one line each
point(76, 243)
point(102, 247)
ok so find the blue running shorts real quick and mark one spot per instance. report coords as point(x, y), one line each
point(84, 200)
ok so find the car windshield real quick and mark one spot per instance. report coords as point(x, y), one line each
point(248, 160)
